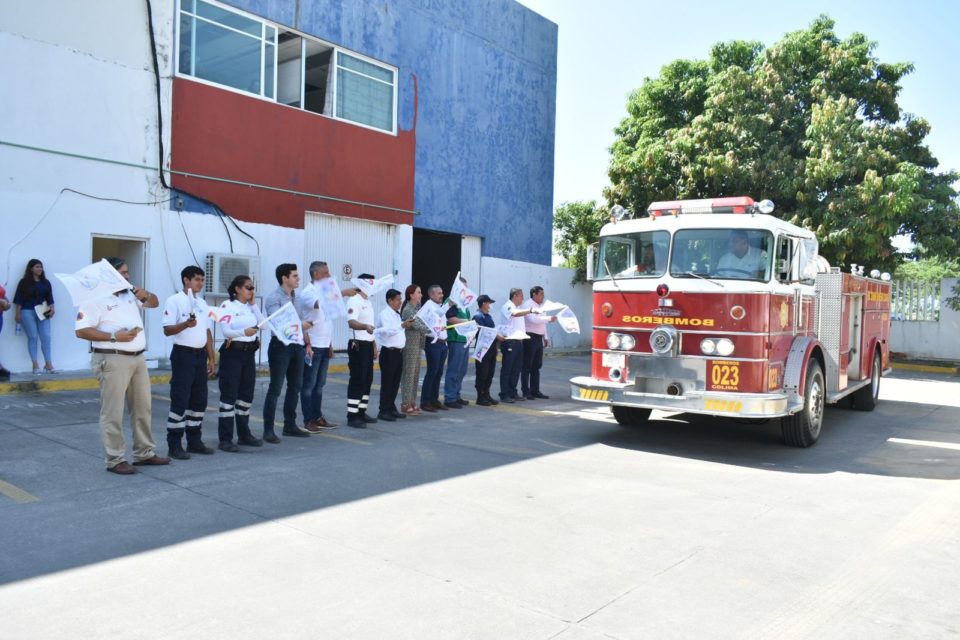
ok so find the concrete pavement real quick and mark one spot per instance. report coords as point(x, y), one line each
point(537, 520)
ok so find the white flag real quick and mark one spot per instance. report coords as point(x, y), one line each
point(567, 319)
point(434, 321)
point(331, 300)
point(462, 296)
point(466, 329)
point(371, 287)
point(285, 324)
point(97, 280)
point(485, 339)
point(548, 307)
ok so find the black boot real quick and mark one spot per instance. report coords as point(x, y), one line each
point(195, 443)
point(175, 445)
point(246, 438)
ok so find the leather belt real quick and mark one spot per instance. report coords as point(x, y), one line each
point(118, 352)
point(252, 345)
point(190, 349)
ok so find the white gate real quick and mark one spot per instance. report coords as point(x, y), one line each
point(348, 245)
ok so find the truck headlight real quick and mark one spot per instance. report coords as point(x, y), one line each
point(621, 342)
point(708, 346)
point(724, 347)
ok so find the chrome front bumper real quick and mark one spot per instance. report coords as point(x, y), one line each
point(714, 403)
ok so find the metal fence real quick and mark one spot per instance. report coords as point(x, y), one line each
point(915, 301)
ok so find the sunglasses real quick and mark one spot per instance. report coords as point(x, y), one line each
point(249, 288)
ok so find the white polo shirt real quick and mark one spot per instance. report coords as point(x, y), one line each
point(753, 260)
point(321, 331)
point(513, 327)
point(391, 333)
point(111, 314)
point(235, 317)
point(177, 309)
point(361, 310)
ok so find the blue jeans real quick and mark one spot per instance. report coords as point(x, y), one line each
point(314, 377)
point(456, 369)
point(286, 361)
point(436, 356)
point(36, 328)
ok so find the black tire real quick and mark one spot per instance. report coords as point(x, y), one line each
point(802, 429)
point(631, 416)
point(865, 398)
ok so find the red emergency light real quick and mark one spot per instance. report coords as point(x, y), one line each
point(739, 204)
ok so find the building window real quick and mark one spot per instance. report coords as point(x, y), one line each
point(232, 49)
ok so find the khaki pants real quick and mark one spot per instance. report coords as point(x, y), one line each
point(124, 377)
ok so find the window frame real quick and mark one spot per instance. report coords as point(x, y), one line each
point(771, 256)
point(181, 10)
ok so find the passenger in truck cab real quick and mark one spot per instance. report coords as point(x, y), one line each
point(743, 261)
point(646, 264)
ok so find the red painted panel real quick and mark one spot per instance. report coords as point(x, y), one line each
point(229, 135)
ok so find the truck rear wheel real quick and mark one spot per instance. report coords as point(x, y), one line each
point(865, 398)
point(802, 429)
point(631, 416)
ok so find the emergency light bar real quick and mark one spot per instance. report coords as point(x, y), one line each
point(739, 204)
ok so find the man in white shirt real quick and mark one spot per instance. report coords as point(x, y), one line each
point(319, 348)
point(115, 329)
point(186, 318)
point(514, 331)
point(743, 261)
point(392, 336)
point(535, 325)
point(436, 354)
point(361, 352)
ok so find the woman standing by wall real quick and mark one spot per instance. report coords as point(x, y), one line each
point(34, 301)
point(416, 335)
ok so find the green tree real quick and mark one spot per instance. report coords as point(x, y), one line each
point(927, 269)
point(812, 123)
point(577, 225)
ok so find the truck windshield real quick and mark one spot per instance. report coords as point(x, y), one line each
point(633, 255)
point(728, 254)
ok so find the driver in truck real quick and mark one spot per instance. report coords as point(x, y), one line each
point(742, 261)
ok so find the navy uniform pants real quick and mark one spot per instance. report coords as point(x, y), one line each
point(188, 395)
point(360, 362)
point(532, 363)
point(238, 378)
point(512, 352)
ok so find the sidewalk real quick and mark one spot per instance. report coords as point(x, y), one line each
point(83, 379)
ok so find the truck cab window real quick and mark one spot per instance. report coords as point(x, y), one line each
point(731, 254)
point(633, 255)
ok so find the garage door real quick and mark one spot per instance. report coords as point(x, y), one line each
point(349, 246)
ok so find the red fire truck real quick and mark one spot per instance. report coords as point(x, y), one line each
point(716, 307)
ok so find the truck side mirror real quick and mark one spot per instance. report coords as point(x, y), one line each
point(591, 261)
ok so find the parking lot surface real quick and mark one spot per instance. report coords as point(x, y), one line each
point(537, 520)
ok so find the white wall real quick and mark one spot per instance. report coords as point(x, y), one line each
point(930, 340)
point(499, 276)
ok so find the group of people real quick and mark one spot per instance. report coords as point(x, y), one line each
point(395, 338)
point(34, 307)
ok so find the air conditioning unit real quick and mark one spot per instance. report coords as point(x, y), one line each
point(222, 268)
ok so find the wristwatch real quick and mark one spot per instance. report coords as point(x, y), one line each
point(113, 337)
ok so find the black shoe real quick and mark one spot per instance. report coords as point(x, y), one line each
point(200, 448)
point(250, 441)
point(4, 374)
point(368, 419)
point(452, 405)
point(492, 401)
point(398, 415)
point(463, 402)
point(357, 422)
point(519, 398)
point(529, 396)
point(228, 446)
point(178, 454)
point(296, 432)
point(386, 417)
point(271, 437)
point(507, 400)
point(483, 402)
point(537, 394)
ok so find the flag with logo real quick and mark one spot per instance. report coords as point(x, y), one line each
point(485, 339)
point(331, 300)
point(461, 295)
point(285, 324)
point(95, 281)
point(567, 320)
point(465, 329)
point(371, 287)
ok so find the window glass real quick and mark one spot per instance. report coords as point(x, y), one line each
point(227, 57)
point(229, 19)
point(269, 53)
point(366, 68)
point(185, 57)
point(364, 100)
point(633, 255)
point(737, 254)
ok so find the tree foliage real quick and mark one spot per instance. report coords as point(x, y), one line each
point(577, 225)
point(812, 123)
point(928, 269)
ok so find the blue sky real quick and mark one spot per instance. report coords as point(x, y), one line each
point(607, 48)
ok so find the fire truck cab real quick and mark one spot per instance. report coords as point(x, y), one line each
point(715, 307)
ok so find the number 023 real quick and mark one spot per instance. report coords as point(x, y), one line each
point(725, 375)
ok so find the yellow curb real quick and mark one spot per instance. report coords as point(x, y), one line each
point(925, 368)
point(15, 493)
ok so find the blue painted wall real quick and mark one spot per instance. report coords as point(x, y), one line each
point(486, 73)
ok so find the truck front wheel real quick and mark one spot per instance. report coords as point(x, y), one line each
point(802, 429)
point(865, 398)
point(631, 416)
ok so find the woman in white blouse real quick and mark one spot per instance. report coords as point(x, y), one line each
point(239, 320)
